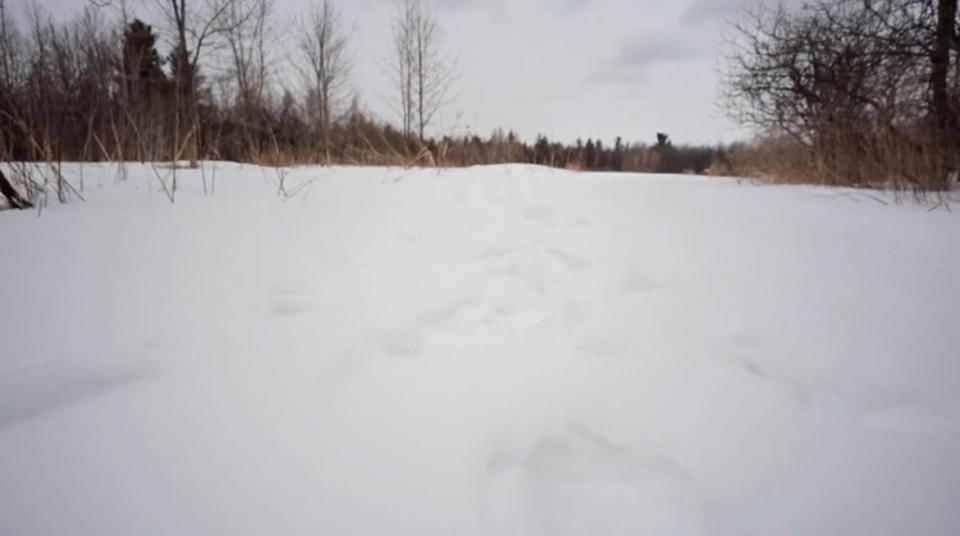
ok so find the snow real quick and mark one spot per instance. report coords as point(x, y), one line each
point(492, 350)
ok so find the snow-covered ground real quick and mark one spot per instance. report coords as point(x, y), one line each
point(503, 350)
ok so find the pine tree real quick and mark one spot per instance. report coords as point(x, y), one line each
point(618, 150)
point(541, 151)
point(141, 69)
point(591, 155)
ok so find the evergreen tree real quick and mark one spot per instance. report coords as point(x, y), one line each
point(591, 159)
point(618, 150)
point(182, 71)
point(141, 69)
point(541, 151)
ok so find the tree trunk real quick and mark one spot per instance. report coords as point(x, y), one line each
point(945, 117)
point(940, 60)
point(13, 197)
point(421, 76)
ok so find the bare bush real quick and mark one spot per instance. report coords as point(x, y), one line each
point(863, 88)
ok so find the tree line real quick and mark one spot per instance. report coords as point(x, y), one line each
point(861, 92)
point(99, 88)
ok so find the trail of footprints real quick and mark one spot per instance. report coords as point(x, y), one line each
point(524, 288)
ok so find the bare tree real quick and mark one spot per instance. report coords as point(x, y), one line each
point(424, 77)
point(196, 25)
point(12, 76)
point(247, 24)
point(403, 62)
point(248, 41)
point(324, 65)
point(11, 49)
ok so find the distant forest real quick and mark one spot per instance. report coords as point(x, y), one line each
point(840, 92)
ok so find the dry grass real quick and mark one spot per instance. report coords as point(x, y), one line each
point(889, 161)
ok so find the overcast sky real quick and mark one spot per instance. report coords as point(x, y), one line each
point(564, 68)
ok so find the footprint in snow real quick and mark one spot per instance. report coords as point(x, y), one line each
point(536, 264)
point(752, 354)
point(569, 480)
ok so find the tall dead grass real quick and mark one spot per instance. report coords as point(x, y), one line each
point(891, 161)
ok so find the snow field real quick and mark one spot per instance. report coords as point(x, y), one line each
point(494, 350)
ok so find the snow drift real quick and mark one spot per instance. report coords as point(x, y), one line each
point(500, 350)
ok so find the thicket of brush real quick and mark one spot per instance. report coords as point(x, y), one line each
point(849, 92)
